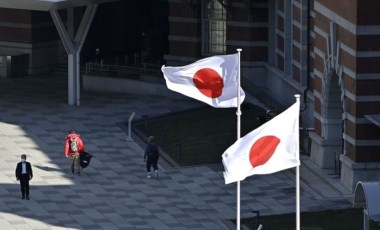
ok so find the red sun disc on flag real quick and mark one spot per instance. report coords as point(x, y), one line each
point(208, 82)
point(262, 150)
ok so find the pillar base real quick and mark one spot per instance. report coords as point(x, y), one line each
point(353, 172)
point(324, 152)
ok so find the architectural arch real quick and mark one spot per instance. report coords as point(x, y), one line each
point(329, 145)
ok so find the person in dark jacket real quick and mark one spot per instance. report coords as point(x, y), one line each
point(24, 173)
point(73, 148)
point(151, 156)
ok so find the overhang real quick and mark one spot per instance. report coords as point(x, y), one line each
point(47, 5)
point(367, 196)
point(374, 118)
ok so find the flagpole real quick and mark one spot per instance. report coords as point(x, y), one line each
point(298, 215)
point(238, 114)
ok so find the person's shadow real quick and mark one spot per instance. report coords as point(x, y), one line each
point(39, 194)
point(48, 169)
point(11, 202)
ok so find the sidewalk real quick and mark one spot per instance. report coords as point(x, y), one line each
point(113, 192)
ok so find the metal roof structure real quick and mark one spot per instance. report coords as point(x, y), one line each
point(374, 118)
point(47, 5)
point(367, 197)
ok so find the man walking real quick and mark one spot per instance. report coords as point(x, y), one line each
point(24, 173)
point(73, 148)
point(151, 156)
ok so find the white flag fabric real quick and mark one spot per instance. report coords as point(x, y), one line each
point(213, 80)
point(270, 148)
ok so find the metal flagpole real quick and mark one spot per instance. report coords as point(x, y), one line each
point(238, 114)
point(298, 218)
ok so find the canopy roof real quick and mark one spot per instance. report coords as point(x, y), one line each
point(374, 118)
point(367, 196)
point(46, 5)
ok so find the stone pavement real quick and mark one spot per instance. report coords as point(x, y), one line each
point(113, 192)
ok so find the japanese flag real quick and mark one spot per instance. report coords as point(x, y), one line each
point(272, 147)
point(213, 80)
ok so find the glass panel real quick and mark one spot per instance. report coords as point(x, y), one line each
point(214, 27)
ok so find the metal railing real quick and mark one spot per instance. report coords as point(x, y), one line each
point(262, 96)
point(97, 67)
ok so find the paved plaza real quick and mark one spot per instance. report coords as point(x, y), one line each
point(113, 192)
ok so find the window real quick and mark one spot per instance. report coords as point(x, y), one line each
point(214, 27)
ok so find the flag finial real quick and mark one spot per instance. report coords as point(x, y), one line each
point(297, 96)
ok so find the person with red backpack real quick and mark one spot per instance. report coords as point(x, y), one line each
point(73, 148)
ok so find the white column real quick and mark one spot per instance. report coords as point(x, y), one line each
point(73, 46)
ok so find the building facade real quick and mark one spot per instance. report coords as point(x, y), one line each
point(324, 50)
point(30, 39)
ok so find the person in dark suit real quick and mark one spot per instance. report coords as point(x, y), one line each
point(24, 173)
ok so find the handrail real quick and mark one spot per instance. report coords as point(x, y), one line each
point(257, 92)
point(101, 67)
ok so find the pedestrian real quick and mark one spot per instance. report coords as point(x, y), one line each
point(73, 148)
point(24, 173)
point(151, 156)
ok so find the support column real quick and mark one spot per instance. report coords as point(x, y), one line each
point(72, 79)
point(73, 47)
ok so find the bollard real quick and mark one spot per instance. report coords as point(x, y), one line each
point(257, 218)
point(130, 126)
